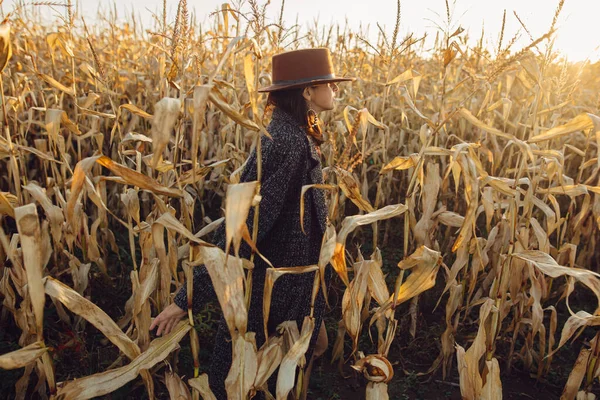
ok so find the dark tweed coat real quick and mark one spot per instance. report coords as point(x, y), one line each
point(290, 161)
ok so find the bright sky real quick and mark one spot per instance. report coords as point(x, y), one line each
point(577, 38)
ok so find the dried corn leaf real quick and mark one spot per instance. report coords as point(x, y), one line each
point(35, 258)
point(54, 213)
point(166, 113)
point(109, 381)
point(136, 179)
point(582, 395)
point(349, 224)
point(171, 223)
point(576, 376)
point(5, 45)
point(93, 314)
point(221, 103)
point(579, 123)
point(466, 114)
point(268, 359)
point(403, 77)
point(548, 266)
point(237, 206)
point(287, 370)
point(349, 186)
point(201, 385)
point(450, 218)
point(377, 391)
point(304, 189)
point(244, 366)
point(271, 277)
point(228, 282)
point(57, 85)
point(492, 389)
point(471, 383)
point(353, 301)
point(136, 110)
point(177, 389)
point(401, 163)
point(424, 263)
point(79, 175)
point(8, 201)
point(22, 357)
point(573, 324)
point(377, 286)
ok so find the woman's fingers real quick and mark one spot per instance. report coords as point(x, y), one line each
point(162, 327)
point(167, 319)
point(153, 324)
point(170, 323)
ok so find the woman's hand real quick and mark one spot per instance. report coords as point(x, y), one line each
point(167, 319)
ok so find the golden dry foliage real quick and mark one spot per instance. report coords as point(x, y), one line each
point(483, 170)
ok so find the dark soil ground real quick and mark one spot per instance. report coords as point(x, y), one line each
point(86, 351)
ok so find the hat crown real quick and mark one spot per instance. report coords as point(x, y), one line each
point(302, 65)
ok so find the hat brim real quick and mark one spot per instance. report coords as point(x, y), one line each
point(276, 87)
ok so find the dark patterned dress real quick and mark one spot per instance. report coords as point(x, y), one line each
point(290, 161)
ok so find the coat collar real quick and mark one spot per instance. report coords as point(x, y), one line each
point(281, 116)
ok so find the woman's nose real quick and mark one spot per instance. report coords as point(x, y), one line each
point(334, 86)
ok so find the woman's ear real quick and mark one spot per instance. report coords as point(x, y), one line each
point(306, 94)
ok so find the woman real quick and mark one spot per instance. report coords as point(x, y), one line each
point(304, 85)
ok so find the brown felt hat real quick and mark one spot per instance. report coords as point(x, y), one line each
point(299, 68)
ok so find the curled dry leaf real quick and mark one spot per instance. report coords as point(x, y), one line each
point(375, 368)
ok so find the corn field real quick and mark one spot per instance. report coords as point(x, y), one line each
point(481, 167)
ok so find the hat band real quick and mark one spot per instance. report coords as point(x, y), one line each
point(305, 80)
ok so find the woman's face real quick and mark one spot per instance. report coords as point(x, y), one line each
point(321, 97)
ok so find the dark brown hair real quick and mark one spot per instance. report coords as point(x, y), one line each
point(292, 102)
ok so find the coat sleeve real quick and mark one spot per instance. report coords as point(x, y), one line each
point(282, 164)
